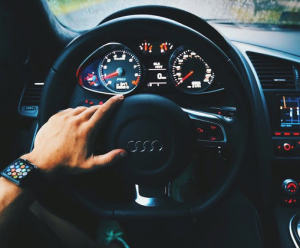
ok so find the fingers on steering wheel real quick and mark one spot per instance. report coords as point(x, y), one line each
point(72, 111)
point(104, 111)
point(65, 111)
point(88, 113)
point(78, 110)
point(109, 158)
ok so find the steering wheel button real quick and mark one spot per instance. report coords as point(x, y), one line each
point(213, 127)
point(201, 128)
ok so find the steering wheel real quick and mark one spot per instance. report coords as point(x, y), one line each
point(158, 134)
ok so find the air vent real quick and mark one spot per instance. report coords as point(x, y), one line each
point(273, 73)
point(29, 103)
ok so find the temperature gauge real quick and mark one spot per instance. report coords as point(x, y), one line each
point(146, 47)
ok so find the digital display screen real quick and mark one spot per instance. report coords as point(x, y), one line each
point(289, 111)
point(17, 170)
point(157, 73)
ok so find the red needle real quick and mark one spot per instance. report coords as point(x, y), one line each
point(116, 73)
point(165, 45)
point(188, 75)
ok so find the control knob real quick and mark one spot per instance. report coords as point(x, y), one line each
point(287, 146)
point(290, 186)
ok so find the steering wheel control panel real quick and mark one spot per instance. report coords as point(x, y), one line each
point(153, 65)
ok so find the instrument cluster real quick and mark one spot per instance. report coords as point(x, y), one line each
point(119, 69)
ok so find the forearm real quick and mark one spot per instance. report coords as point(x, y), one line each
point(14, 201)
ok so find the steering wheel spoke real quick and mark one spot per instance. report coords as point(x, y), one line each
point(151, 196)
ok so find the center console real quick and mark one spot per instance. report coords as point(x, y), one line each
point(278, 75)
point(285, 121)
point(284, 113)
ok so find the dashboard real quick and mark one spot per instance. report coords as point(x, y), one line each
point(147, 65)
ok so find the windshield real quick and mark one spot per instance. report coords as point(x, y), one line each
point(85, 14)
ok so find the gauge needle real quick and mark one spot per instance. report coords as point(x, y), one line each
point(165, 46)
point(188, 75)
point(118, 72)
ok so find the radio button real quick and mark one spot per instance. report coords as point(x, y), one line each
point(277, 133)
point(287, 147)
point(284, 148)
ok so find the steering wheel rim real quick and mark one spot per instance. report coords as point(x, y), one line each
point(61, 79)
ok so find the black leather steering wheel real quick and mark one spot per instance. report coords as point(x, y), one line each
point(167, 127)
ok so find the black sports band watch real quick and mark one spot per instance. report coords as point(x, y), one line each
point(19, 171)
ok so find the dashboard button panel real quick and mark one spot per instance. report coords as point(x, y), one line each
point(285, 148)
point(290, 192)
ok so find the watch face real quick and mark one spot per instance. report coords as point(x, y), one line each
point(18, 170)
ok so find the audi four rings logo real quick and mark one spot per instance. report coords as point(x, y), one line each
point(145, 146)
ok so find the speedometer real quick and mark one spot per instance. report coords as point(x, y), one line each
point(120, 71)
point(190, 73)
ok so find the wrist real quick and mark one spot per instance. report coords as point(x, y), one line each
point(37, 161)
point(10, 192)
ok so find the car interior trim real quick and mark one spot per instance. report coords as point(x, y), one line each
point(291, 231)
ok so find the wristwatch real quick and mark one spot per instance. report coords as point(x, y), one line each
point(20, 172)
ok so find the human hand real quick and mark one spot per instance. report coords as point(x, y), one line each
point(65, 142)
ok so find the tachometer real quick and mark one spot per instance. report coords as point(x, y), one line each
point(190, 73)
point(120, 71)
